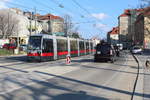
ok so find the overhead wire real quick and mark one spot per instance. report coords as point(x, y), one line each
point(16, 4)
point(82, 16)
point(81, 6)
point(43, 10)
point(64, 7)
point(85, 10)
point(44, 5)
point(22, 6)
point(31, 9)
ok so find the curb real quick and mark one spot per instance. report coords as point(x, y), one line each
point(13, 55)
point(138, 89)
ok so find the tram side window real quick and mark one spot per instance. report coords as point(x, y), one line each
point(91, 45)
point(62, 45)
point(87, 45)
point(81, 44)
point(73, 44)
point(47, 45)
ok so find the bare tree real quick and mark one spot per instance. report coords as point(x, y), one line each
point(8, 24)
point(144, 3)
point(75, 33)
point(68, 25)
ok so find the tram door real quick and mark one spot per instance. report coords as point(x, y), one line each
point(87, 48)
point(81, 47)
point(47, 50)
point(74, 48)
point(91, 49)
point(62, 48)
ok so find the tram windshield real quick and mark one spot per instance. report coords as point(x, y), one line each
point(34, 42)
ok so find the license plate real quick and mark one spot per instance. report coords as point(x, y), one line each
point(98, 52)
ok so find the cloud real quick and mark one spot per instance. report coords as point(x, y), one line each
point(99, 16)
point(102, 27)
point(3, 4)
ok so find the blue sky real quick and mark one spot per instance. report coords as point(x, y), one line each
point(102, 14)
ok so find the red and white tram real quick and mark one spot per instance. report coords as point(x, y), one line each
point(43, 47)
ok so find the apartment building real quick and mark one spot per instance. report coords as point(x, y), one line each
point(127, 27)
point(142, 29)
point(52, 24)
point(113, 36)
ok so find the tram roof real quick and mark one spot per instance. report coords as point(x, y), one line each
point(39, 34)
point(47, 35)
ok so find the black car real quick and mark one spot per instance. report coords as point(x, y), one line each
point(105, 52)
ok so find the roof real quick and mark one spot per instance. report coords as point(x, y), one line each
point(123, 15)
point(127, 12)
point(146, 11)
point(115, 30)
point(49, 17)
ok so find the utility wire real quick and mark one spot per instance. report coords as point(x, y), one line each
point(41, 3)
point(31, 9)
point(81, 7)
point(80, 22)
point(46, 11)
point(85, 10)
point(16, 4)
point(22, 6)
point(62, 6)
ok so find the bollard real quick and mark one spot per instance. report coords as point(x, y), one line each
point(68, 59)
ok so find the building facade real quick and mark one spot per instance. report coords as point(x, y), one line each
point(124, 20)
point(113, 36)
point(142, 29)
point(29, 23)
point(52, 24)
point(127, 27)
point(20, 31)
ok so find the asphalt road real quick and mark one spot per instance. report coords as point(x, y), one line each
point(83, 79)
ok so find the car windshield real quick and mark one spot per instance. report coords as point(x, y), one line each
point(103, 48)
point(23, 45)
point(34, 42)
point(136, 48)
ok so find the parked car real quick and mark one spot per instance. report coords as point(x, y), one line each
point(23, 47)
point(9, 46)
point(105, 52)
point(136, 50)
point(1, 46)
point(3, 41)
